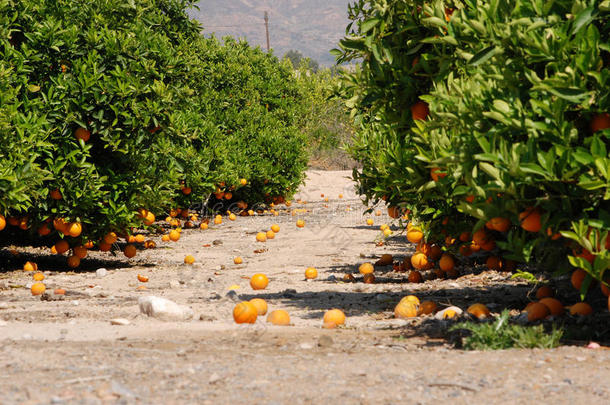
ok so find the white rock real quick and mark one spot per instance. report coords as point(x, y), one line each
point(119, 321)
point(3, 305)
point(441, 314)
point(174, 284)
point(3, 323)
point(101, 272)
point(164, 309)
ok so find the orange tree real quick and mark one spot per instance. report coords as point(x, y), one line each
point(110, 107)
point(489, 117)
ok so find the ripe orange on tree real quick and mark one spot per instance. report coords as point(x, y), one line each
point(600, 122)
point(55, 194)
point(447, 262)
point(415, 235)
point(393, 211)
point(80, 252)
point(500, 224)
point(62, 247)
point(73, 261)
point(420, 110)
point(530, 219)
point(436, 174)
point(82, 133)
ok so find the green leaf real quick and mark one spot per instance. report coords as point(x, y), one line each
point(368, 25)
point(585, 17)
point(483, 55)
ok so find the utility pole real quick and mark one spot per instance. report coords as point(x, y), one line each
point(267, 28)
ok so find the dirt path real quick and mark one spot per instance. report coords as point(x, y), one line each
point(68, 352)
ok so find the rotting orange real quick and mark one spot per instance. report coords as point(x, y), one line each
point(427, 307)
point(581, 308)
point(260, 304)
point(30, 266)
point(279, 317)
point(385, 260)
point(259, 281)
point(479, 310)
point(165, 238)
point(415, 277)
point(369, 278)
point(245, 312)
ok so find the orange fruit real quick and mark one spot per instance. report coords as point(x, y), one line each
point(232, 217)
point(577, 278)
point(334, 317)
point(238, 260)
point(427, 307)
point(544, 292)
point(43, 230)
point(405, 309)
point(464, 236)
point(245, 312)
point(80, 252)
point(174, 235)
point(270, 234)
point(553, 236)
point(243, 182)
point(348, 278)
point(260, 304)
point(450, 314)
point(435, 252)
point(554, 305)
point(82, 133)
point(449, 240)
point(530, 219)
point(130, 251)
point(537, 311)
point(110, 238)
point(480, 237)
point(2, 222)
point(228, 195)
point(500, 224)
point(279, 317)
point(465, 250)
point(30, 266)
point(62, 247)
point(493, 263)
point(203, 226)
point(479, 310)
point(300, 223)
point(74, 229)
point(600, 122)
point(38, 276)
point(415, 277)
point(217, 220)
point(435, 173)
point(73, 261)
point(370, 221)
point(275, 228)
point(414, 235)
point(419, 261)
point(188, 259)
point(150, 244)
point(165, 238)
point(420, 110)
point(410, 298)
point(340, 195)
point(104, 247)
point(142, 279)
point(605, 289)
point(581, 308)
point(38, 288)
point(489, 245)
point(447, 262)
point(139, 238)
point(385, 260)
point(366, 268)
point(56, 194)
point(259, 281)
point(393, 211)
point(311, 273)
point(186, 190)
point(261, 237)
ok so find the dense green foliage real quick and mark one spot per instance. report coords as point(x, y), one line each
point(516, 90)
point(165, 109)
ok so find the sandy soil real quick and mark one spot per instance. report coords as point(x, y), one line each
point(66, 351)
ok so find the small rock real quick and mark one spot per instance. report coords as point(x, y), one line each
point(363, 255)
point(119, 321)
point(215, 296)
point(3, 323)
point(174, 284)
point(214, 378)
point(3, 305)
point(217, 242)
point(101, 272)
point(232, 295)
point(325, 341)
point(206, 318)
point(164, 309)
point(383, 298)
point(306, 346)
point(289, 293)
point(75, 303)
point(331, 278)
point(121, 390)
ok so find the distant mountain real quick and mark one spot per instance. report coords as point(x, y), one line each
point(313, 27)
